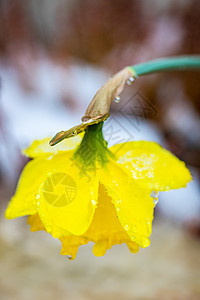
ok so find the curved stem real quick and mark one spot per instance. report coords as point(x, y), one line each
point(165, 64)
point(99, 108)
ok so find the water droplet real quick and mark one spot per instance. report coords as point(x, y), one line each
point(155, 201)
point(117, 208)
point(37, 196)
point(126, 227)
point(130, 80)
point(117, 99)
point(149, 227)
point(50, 157)
point(88, 121)
point(145, 242)
point(93, 202)
point(69, 256)
point(154, 195)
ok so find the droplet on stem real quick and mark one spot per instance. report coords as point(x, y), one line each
point(130, 80)
point(117, 99)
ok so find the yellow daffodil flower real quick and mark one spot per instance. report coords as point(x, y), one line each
point(81, 191)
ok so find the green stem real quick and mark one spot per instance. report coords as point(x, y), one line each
point(165, 64)
point(94, 132)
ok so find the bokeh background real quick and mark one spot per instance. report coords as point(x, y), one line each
point(54, 55)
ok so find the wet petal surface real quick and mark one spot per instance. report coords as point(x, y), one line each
point(105, 230)
point(25, 199)
point(151, 165)
point(134, 205)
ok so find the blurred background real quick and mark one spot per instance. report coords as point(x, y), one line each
point(54, 55)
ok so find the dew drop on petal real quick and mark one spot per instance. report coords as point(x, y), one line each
point(145, 241)
point(149, 227)
point(126, 227)
point(50, 157)
point(155, 195)
point(37, 196)
point(117, 99)
point(69, 257)
point(155, 201)
point(93, 202)
point(118, 202)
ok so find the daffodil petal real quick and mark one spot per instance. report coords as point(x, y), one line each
point(105, 230)
point(133, 204)
point(35, 222)
point(151, 165)
point(68, 198)
point(70, 245)
point(25, 198)
point(42, 147)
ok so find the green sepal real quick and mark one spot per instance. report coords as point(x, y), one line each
point(92, 151)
